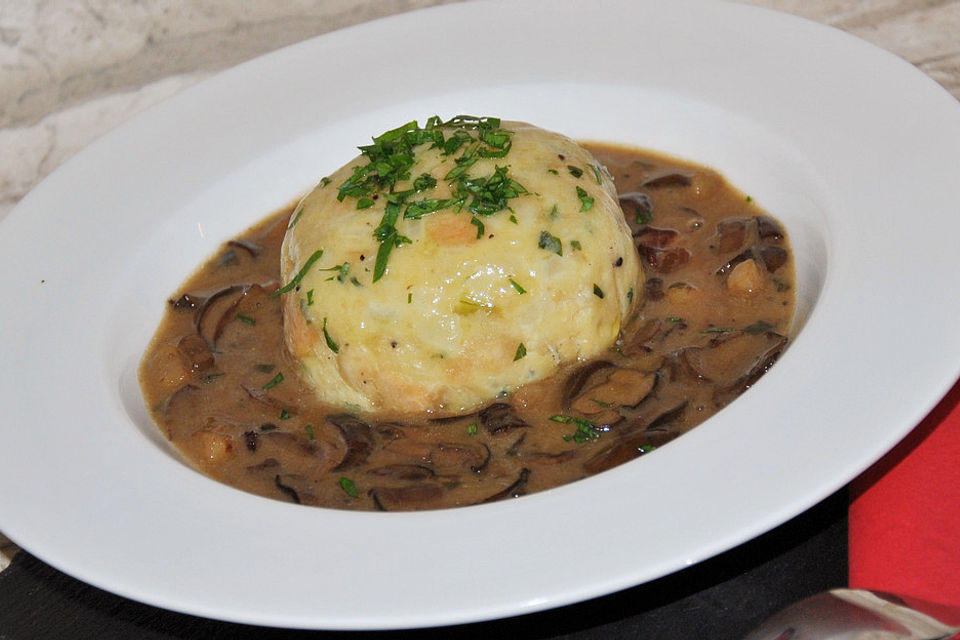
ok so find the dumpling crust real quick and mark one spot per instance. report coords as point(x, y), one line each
point(467, 306)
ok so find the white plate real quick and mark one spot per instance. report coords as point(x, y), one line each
point(851, 147)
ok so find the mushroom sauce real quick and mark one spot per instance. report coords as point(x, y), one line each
point(717, 309)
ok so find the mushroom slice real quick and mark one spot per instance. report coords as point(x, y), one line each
point(730, 236)
point(615, 454)
point(500, 418)
point(357, 437)
point(424, 495)
point(575, 381)
point(729, 357)
point(403, 472)
point(515, 490)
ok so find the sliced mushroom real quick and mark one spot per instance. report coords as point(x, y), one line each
point(616, 453)
point(357, 437)
point(664, 260)
point(425, 495)
point(195, 351)
point(769, 230)
point(729, 357)
point(515, 490)
point(403, 472)
point(668, 180)
point(500, 418)
point(656, 238)
point(575, 381)
point(730, 236)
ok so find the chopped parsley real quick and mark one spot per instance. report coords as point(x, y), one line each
point(475, 221)
point(246, 319)
point(585, 431)
point(277, 379)
point(348, 487)
point(290, 286)
point(550, 242)
point(390, 160)
point(521, 352)
point(309, 429)
point(596, 173)
point(472, 429)
point(586, 202)
point(597, 291)
point(576, 172)
point(516, 285)
point(330, 341)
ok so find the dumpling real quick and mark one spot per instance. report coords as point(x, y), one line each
point(449, 264)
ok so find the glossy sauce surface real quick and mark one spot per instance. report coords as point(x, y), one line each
point(716, 314)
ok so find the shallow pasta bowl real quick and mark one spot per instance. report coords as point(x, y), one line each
point(854, 150)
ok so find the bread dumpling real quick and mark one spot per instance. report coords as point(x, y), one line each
point(451, 263)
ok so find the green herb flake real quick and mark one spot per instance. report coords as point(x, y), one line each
point(310, 298)
point(277, 379)
point(521, 352)
point(646, 448)
point(576, 172)
point(597, 291)
point(561, 419)
point(330, 341)
point(586, 202)
point(513, 219)
point(472, 429)
point(284, 414)
point(295, 217)
point(309, 429)
point(409, 298)
point(475, 221)
point(324, 181)
point(749, 198)
point(596, 173)
point(717, 330)
point(348, 487)
point(300, 274)
point(246, 319)
point(392, 156)
point(550, 242)
point(585, 431)
point(674, 319)
point(575, 245)
point(553, 171)
point(602, 403)
point(517, 286)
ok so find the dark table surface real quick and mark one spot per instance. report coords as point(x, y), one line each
point(719, 599)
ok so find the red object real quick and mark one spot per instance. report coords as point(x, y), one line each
point(904, 522)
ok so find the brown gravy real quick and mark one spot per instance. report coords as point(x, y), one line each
point(718, 305)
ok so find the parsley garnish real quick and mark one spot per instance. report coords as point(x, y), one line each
point(309, 429)
point(576, 172)
point(392, 155)
point(586, 202)
point(521, 352)
point(550, 242)
point(330, 342)
point(297, 278)
point(277, 379)
point(516, 285)
point(348, 487)
point(246, 319)
point(597, 291)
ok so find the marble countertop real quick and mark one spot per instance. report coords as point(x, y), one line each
point(73, 70)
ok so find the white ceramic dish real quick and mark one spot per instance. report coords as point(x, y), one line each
point(851, 147)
